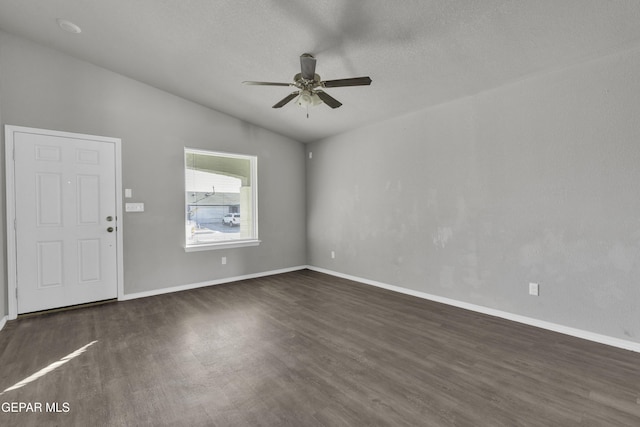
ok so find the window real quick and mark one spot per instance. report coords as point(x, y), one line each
point(220, 200)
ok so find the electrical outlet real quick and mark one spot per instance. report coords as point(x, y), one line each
point(224, 260)
point(534, 289)
point(333, 255)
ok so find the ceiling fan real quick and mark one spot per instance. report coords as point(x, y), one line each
point(308, 84)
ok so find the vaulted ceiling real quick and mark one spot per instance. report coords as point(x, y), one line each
point(419, 53)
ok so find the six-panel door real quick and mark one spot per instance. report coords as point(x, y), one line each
point(65, 203)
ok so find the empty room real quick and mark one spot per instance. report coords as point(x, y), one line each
point(328, 213)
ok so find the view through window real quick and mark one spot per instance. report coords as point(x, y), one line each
point(220, 199)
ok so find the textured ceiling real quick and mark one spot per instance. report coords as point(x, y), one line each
point(419, 53)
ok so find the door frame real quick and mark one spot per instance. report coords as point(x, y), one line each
point(9, 141)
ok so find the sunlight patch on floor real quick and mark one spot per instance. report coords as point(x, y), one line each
point(49, 368)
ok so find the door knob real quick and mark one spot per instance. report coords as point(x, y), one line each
point(109, 218)
point(110, 229)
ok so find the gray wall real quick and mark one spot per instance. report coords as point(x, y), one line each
point(43, 88)
point(534, 181)
point(471, 200)
point(3, 248)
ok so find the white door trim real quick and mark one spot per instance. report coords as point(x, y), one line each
point(9, 139)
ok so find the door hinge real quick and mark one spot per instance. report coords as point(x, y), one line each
point(16, 293)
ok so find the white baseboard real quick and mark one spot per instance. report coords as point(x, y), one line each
point(579, 333)
point(207, 283)
point(3, 322)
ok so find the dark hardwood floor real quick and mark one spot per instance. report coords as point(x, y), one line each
point(307, 349)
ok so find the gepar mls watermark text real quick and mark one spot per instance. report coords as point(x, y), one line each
point(30, 407)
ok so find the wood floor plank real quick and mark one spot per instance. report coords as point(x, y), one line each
point(308, 349)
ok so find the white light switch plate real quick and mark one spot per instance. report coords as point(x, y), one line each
point(534, 289)
point(134, 207)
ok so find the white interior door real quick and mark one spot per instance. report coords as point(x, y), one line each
point(65, 220)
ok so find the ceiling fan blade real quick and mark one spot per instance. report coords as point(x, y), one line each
point(356, 81)
point(286, 99)
point(307, 66)
point(267, 83)
point(328, 99)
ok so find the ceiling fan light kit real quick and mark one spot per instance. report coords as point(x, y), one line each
point(308, 99)
point(308, 83)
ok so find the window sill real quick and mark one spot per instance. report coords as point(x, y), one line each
point(222, 245)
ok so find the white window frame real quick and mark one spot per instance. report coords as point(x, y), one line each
point(234, 243)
